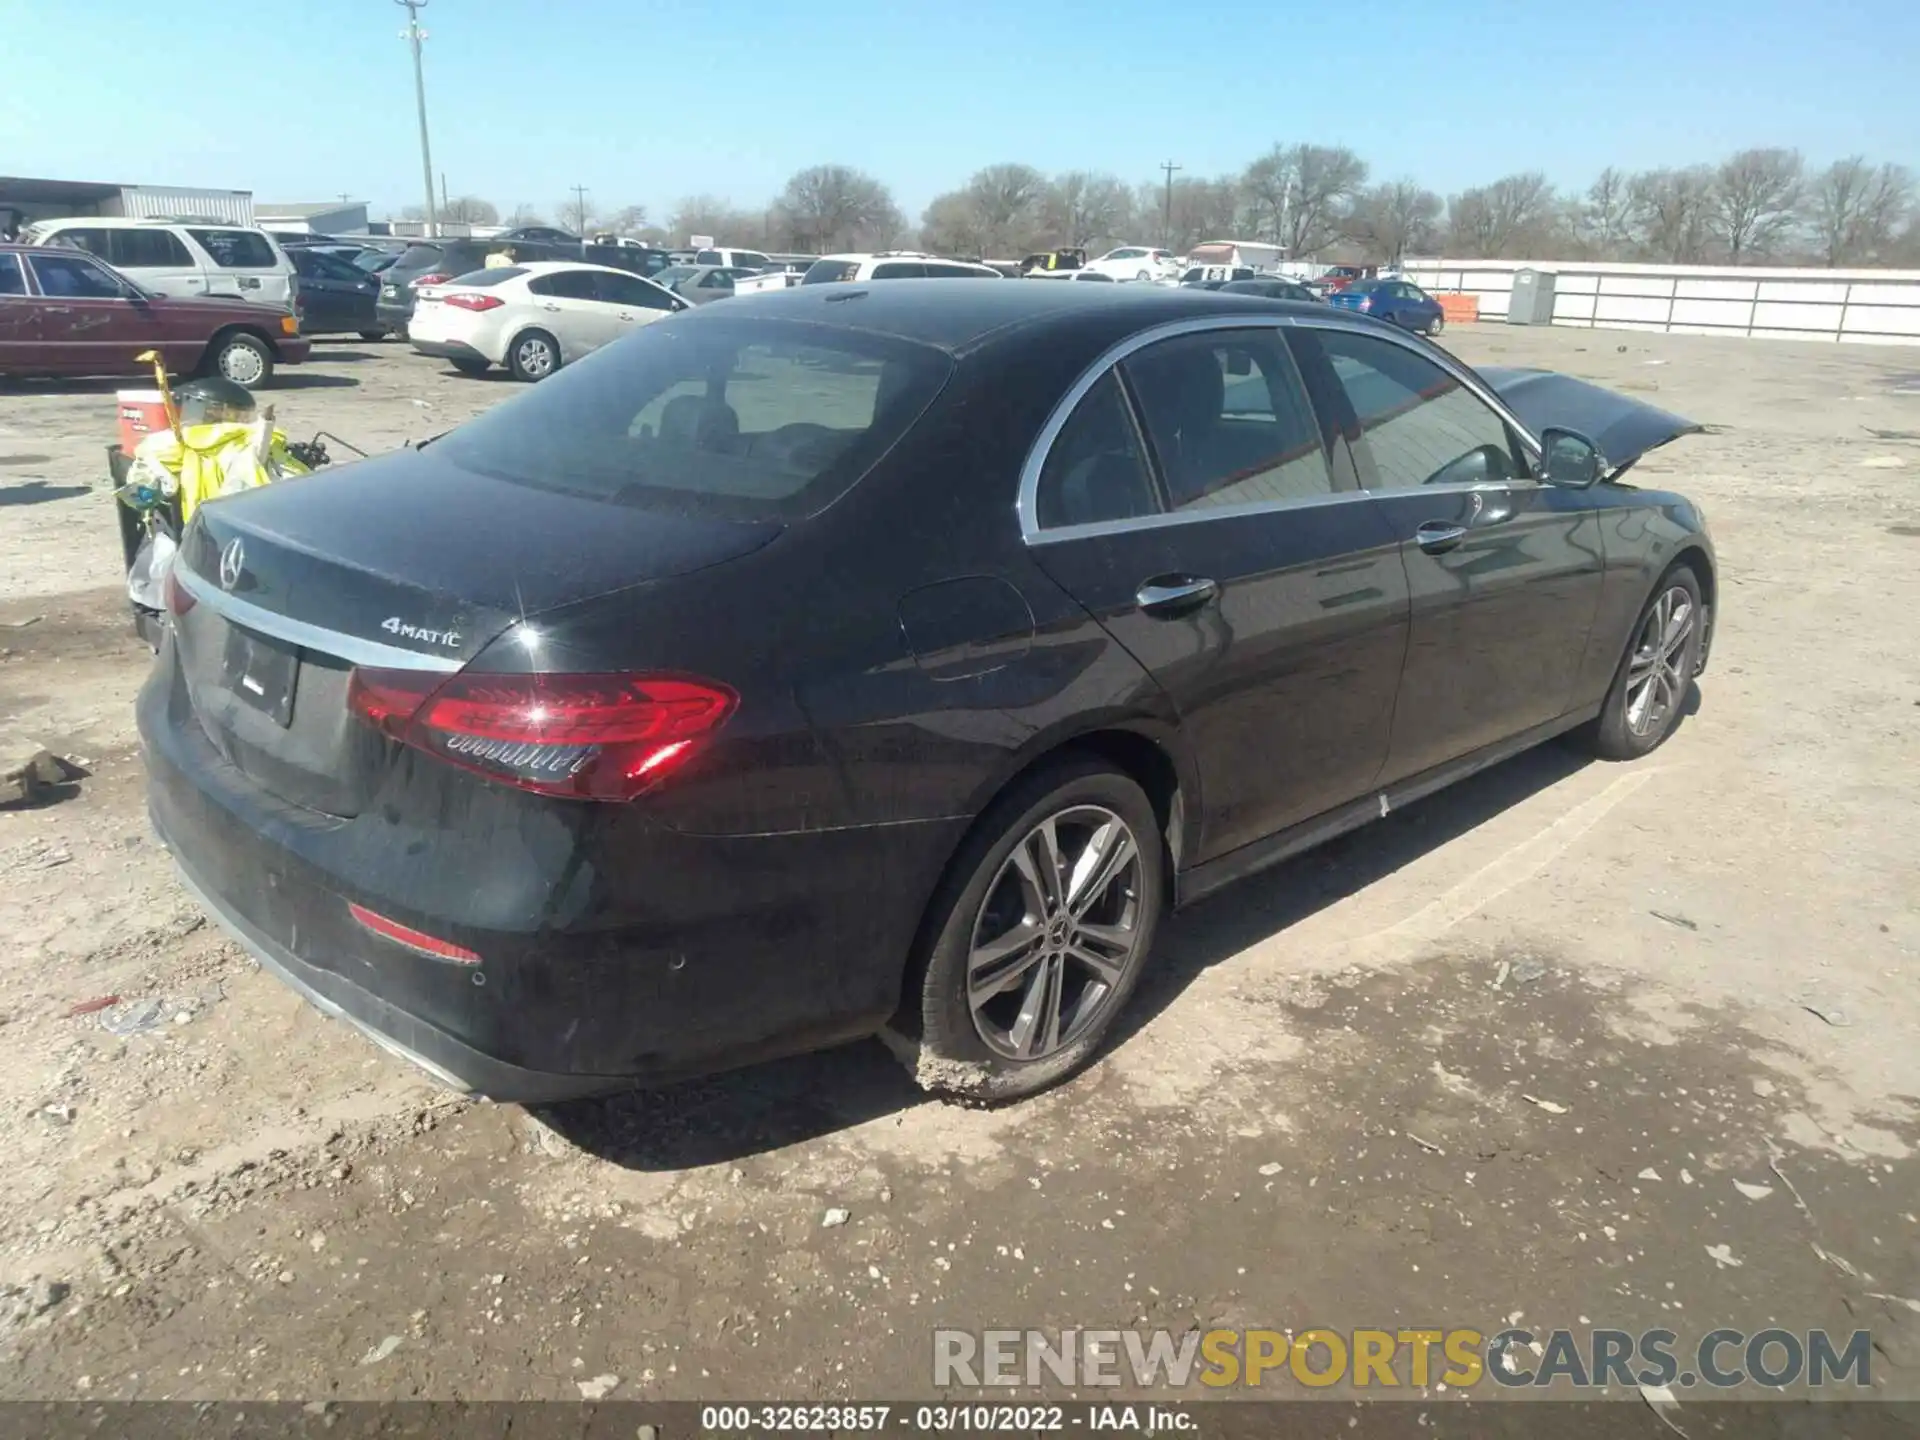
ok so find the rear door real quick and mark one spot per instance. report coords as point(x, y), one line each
point(1504, 572)
point(245, 263)
point(157, 258)
point(567, 304)
point(19, 318)
point(1196, 505)
point(335, 296)
point(88, 323)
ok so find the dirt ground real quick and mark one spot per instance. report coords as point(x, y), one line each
point(1505, 1053)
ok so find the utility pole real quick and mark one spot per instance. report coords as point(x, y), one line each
point(1166, 218)
point(580, 211)
point(415, 35)
point(445, 208)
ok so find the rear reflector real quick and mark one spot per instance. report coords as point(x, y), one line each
point(586, 737)
point(473, 302)
point(413, 939)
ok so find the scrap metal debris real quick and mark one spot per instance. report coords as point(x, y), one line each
point(1682, 921)
point(1753, 1192)
point(1547, 1105)
point(1834, 1017)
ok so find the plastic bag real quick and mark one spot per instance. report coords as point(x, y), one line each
point(146, 581)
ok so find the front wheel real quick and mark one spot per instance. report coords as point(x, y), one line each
point(1438, 323)
point(534, 355)
point(1044, 924)
point(1650, 689)
point(243, 359)
point(1144, 275)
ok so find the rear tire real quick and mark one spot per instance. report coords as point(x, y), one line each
point(470, 365)
point(373, 337)
point(533, 356)
point(245, 359)
point(1650, 689)
point(1439, 323)
point(1027, 963)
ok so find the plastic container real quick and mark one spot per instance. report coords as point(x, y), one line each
point(141, 413)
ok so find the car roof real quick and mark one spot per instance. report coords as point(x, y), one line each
point(957, 317)
point(549, 267)
point(15, 248)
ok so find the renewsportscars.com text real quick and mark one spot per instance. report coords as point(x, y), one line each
point(1381, 1359)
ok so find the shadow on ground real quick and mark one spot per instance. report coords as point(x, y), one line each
point(37, 492)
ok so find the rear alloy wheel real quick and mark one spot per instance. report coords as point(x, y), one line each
point(245, 360)
point(533, 356)
point(1438, 324)
point(1649, 692)
point(1144, 275)
point(1045, 923)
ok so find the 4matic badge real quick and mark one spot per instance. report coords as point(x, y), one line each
point(394, 625)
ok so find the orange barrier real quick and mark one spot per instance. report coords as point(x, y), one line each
point(1459, 308)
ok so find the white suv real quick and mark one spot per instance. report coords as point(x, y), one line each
point(895, 265)
point(173, 257)
point(1137, 262)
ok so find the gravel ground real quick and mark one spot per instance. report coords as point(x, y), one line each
point(1508, 1051)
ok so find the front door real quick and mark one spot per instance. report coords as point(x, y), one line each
point(89, 325)
point(1198, 509)
point(19, 319)
point(1504, 572)
point(569, 306)
point(634, 302)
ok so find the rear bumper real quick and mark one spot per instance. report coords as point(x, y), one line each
point(448, 350)
point(394, 314)
point(613, 952)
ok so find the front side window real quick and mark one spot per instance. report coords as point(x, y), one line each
point(148, 249)
point(1420, 424)
point(73, 277)
point(1096, 470)
point(1229, 420)
point(1125, 254)
point(236, 249)
point(740, 419)
point(632, 290)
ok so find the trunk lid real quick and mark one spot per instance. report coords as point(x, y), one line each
point(402, 561)
point(1624, 429)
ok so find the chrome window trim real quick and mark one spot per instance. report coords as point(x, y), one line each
point(1027, 506)
point(351, 648)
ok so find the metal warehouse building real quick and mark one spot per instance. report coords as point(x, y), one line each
point(23, 201)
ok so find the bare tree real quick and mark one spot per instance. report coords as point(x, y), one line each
point(525, 214)
point(1393, 218)
point(628, 220)
point(1301, 194)
point(1200, 210)
point(1603, 218)
point(1673, 213)
point(1754, 196)
point(832, 207)
point(1514, 213)
point(1082, 208)
point(951, 226)
point(1855, 209)
point(711, 215)
point(1007, 201)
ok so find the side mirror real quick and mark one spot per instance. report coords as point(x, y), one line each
point(1569, 459)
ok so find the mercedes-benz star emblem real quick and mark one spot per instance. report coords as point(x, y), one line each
point(233, 561)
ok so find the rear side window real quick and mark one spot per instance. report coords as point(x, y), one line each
point(489, 277)
point(826, 271)
point(237, 249)
point(566, 285)
point(1229, 420)
point(151, 249)
point(953, 272)
point(900, 270)
point(747, 420)
point(709, 257)
point(1096, 470)
point(12, 282)
point(94, 242)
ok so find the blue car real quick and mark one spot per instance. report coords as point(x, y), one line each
point(1395, 301)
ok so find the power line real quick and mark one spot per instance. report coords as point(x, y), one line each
point(414, 34)
point(1166, 219)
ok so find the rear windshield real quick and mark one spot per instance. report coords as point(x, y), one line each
point(822, 271)
point(735, 419)
point(489, 277)
point(1364, 287)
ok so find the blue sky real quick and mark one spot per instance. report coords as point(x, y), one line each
point(644, 103)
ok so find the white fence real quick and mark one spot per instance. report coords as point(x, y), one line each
point(1875, 307)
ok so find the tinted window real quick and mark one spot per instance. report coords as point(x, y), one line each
point(566, 285)
point(155, 249)
point(716, 280)
point(489, 277)
point(749, 420)
point(332, 267)
point(237, 249)
point(673, 274)
point(12, 282)
point(900, 270)
point(709, 257)
point(632, 290)
point(73, 278)
point(826, 271)
point(1096, 470)
point(93, 241)
point(953, 272)
point(1229, 420)
point(1417, 419)
point(751, 259)
point(1126, 254)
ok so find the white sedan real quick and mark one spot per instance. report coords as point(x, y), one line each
point(533, 318)
point(1137, 262)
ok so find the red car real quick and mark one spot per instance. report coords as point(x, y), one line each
point(1338, 277)
point(62, 312)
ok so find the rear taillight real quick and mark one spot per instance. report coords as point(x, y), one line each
point(179, 599)
point(587, 737)
point(432, 277)
point(473, 302)
point(1364, 303)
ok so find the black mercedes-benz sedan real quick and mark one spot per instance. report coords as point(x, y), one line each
point(886, 659)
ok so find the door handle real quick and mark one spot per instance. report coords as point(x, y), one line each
point(56, 310)
point(1171, 595)
point(554, 308)
point(1437, 535)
